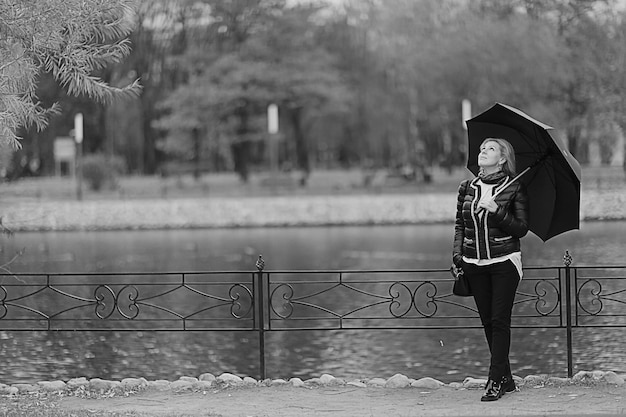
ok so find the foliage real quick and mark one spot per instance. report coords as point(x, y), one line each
point(100, 170)
point(228, 93)
point(358, 82)
point(559, 61)
point(69, 39)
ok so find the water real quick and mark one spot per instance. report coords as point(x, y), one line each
point(445, 355)
point(426, 246)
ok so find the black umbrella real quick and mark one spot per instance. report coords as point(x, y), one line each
point(551, 174)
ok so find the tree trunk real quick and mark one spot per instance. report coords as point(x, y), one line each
point(302, 149)
point(241, 158)
point(241, 148)
point(195, 134)
point(149, 140)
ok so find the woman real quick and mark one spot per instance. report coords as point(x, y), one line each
point(487, 248)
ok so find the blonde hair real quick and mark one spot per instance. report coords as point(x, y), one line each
point(508, 153)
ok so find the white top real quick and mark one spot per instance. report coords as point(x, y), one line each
point(486, 191)
point(515, 257)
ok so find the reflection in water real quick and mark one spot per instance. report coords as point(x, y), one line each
point(445, 355)
point(36, 356)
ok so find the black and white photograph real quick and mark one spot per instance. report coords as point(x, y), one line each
point(265, 208)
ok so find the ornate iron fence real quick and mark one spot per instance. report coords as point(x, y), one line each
point(128, 302)
point(263, 301)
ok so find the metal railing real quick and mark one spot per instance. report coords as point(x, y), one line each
point(263, 301)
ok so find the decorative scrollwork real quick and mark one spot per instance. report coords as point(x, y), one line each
point(591, 305)
point(547, 297)
point(237, 303)
point(395, 291)
point(128, 310)
point(426, 293)
point(281, 298)
point(3, 307)
point(102, 294)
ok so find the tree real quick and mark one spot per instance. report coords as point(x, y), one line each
point(164, 31)
point(411, 64)
point(69, 39)
point(590, 71)
point(231, 83)
point(560, 60)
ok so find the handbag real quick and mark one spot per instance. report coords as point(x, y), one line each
point(461, 285)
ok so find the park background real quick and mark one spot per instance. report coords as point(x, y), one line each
point(357, 85)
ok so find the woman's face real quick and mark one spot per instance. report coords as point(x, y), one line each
point(490, 155)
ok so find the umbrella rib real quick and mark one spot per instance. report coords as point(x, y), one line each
point(551, 174)
point(533, 144)
point(537, 134)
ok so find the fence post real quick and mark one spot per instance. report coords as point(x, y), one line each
point(260, 313)
point(567, 261)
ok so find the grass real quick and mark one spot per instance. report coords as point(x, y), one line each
point(330, 182)
point(327, 182)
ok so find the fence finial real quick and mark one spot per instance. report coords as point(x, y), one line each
point(260, 263)
point(567, 258)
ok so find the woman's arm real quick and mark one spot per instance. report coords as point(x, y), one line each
point(459, 225)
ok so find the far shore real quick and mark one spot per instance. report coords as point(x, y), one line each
point(268, 211)
point(331, 198)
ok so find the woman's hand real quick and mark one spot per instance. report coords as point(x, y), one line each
point(488, 204)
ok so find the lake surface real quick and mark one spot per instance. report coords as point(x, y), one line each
point(443, 354)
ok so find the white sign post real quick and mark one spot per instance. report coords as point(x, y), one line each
point(78, 137)
point(272, 129)
point(78, 128)
point(466, 112)
point(272, 119)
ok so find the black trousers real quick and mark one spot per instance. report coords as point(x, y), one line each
point(494, 288)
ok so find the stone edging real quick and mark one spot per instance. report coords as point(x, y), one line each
point(100, 387)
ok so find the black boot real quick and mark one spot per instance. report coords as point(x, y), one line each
point(508, 384)
point(494, 391)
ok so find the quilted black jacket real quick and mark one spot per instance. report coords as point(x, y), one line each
point(500, 234)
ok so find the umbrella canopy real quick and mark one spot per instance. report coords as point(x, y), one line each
point(552, 175)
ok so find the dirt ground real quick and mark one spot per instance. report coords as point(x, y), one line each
point(350, 401)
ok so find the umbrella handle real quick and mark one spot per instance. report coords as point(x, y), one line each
point(528, 168)
point(517, 177)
